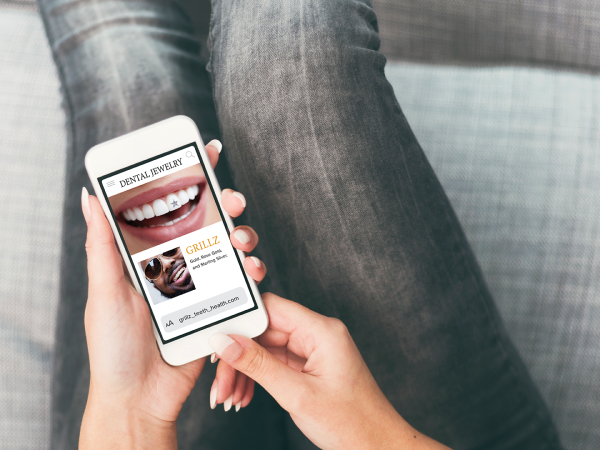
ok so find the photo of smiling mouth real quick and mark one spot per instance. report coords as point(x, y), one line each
point(164, 211)
point(179, 277)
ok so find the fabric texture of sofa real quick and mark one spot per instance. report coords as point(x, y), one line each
point(505, 99)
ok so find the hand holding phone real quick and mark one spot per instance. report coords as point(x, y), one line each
point(313, 369)
point(131, 385)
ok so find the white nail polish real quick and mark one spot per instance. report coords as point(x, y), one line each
point(220, 342)
point(228, 402)
point(238, 406)
point(213, 397)
point(216, 144)
point(256, 261)
point(242, 236)
point(160, 207)
point(241, 197)
point(213, 357)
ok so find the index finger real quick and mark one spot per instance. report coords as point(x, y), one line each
point(213, 148)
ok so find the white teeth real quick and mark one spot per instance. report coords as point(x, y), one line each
point(173, 202)
point(148, 211)
point(139, 215)
point(191, 192)
point(183, 197)
point(160, 207)
point(166, 224)
point(179, 274)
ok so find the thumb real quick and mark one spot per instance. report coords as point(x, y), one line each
point(248, 357)
point(105, 269)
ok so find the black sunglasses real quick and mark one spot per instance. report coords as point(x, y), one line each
point(154, 267)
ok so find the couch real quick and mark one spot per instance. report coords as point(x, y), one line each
point(504, 96)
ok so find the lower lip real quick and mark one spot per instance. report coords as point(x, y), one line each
point(158, 235)
point(184, 276)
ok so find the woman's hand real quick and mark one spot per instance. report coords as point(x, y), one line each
point(135, 397)
point(311, 366)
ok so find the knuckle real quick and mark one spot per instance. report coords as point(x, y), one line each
point(256, 364)
point(337, 326)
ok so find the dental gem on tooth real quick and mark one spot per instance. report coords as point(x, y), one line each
point(173, 202)
point(148, 211)
point(160, 207)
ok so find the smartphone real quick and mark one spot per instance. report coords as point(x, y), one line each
point(162, 199)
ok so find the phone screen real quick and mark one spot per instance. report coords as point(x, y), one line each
point(178, 242)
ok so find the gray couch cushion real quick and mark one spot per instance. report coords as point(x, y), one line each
point(517, 151)
point(32, 155)
point(563, 33)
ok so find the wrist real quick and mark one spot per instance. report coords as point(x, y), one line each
point(109, 424)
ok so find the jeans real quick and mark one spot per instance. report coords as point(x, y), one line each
point(352, 219)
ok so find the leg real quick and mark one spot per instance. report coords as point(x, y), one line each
point(358, 226)
point(123, 65)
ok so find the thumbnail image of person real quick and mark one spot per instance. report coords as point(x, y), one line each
point(168, 273)
point(165, 209)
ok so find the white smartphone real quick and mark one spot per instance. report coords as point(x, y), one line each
point(162, 199)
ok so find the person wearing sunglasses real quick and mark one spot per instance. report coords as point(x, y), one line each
point(168, 273)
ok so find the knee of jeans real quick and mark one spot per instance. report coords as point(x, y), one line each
point(127, 69)
point(262, 50)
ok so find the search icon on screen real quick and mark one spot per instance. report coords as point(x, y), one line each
point(188, 154)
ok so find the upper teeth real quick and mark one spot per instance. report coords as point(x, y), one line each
point(163, 205)
point(179, 273)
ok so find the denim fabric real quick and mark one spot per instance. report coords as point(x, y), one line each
point(352, 219)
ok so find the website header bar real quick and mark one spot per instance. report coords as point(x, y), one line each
point(153, 170)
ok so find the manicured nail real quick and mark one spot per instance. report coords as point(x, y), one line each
point(85, 205)
point(242, 235)
point(227, 348)
point(241, 197)
point(238, 406)
point(216, 144)
point(256, 261)
point(213, 357)
point(213, 396)
point(227, 404)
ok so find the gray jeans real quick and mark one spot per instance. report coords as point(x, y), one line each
point(352, 219)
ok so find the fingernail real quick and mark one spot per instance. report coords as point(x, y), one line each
point(227, 348)
point(227, 404)
point(216, 144)
point(238, 406)
point(242, 236)
point(85, 205)
point(213, 396)
point(213, 357)
point(256, 261)
point(241, 197)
